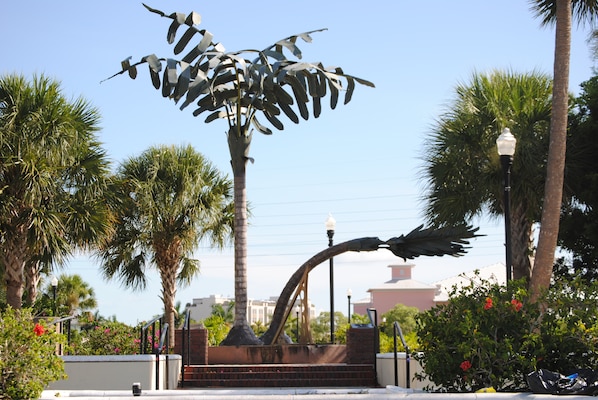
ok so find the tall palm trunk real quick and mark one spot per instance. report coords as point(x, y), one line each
point(167, 260)
point(521, 230)
point(32, 278)
point(12, 256)
point(555, 169)
point(238, 142)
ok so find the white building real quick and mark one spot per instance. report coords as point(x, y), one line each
point(257, 310)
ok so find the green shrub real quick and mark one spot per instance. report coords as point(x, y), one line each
point(486, 336)
point(107, 338)
point(217, 329)
point(28, 360)
point(492, 336)
point(569, 331)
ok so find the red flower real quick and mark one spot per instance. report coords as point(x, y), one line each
point(465, 365)
point(516, 304)
point(39, 330)
point(488, 304)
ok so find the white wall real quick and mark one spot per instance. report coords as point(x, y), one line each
point(117, 372)
point(385, 363)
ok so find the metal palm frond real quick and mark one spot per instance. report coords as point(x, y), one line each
point(237, 85)
point(432, 241)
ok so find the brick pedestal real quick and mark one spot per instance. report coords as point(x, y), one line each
point(362, 345)
point(196, 342)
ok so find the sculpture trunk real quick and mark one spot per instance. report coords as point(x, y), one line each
point(238, 144)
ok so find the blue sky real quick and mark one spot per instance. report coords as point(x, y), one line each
point(359, 162)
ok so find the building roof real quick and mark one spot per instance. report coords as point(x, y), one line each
point(493, 273)
point(402, 284)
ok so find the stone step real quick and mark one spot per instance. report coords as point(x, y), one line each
point(281, 375)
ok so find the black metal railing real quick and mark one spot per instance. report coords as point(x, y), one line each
point(397, 331)
point(374, 320)
point(145, 339)
point(185, 344)
point(62, 323)
point(157, 348)
point(374, 323)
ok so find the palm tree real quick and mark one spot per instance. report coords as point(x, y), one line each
point(173, 199)
point(559, 12)
point(238, 86)
point(53, 175)
point(461, 168)
point(227, 314)
point(73, 295)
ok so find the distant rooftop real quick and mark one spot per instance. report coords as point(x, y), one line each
point(493, 273)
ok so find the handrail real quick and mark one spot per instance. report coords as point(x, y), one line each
point(185, 344)
point(157, 350)
point(68, 328)
point(164, 338)
point(397, 329)
point(143, 333)
point(373, 321)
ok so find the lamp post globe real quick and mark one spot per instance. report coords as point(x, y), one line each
point(505, 145)
point(54, 284)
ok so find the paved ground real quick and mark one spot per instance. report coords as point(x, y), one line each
point(390, 392)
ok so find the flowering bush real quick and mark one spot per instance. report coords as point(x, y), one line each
point(28, 360)
point(105, 338)
point(492, 336)
point(485, 336)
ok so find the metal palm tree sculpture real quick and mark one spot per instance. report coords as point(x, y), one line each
point(239, 87)
point(431, 241)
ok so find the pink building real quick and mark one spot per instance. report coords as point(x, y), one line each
point(401, 289)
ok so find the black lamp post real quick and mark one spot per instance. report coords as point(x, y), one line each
point(54, 286)
point(330, 225)
point(349, 293)
point(506, 148)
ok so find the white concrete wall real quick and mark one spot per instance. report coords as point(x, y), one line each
point(117, 372)
point(385, 364)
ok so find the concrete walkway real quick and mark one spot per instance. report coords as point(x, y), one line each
point(390, 392)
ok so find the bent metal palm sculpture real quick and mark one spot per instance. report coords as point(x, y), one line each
point(448, 240)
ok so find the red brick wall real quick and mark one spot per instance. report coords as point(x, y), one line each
point(197, 343)
point(362, 345)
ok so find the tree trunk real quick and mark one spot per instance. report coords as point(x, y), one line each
point(521, 230)
point(168, 257)
point(168, 296)
point(555, 167)
point(12, 255)
point(32, 278)
point(240, 333)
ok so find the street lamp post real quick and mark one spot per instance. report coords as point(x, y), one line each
point(330, 225)
point(506, 148)
point(349, 293)
point(54, 286)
